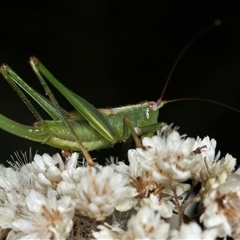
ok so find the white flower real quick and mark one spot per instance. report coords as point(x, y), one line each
point(168, 156)
point(223, 206)
point(49, 169)
point(99, 190)
point(163, 205)
point(143, 189)
point(45, 217)
point(192, 231)
point(216, 173)
point(146, 224)
point(206, 149)
point(13, 190)
point(70, 180)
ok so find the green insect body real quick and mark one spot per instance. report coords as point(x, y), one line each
point(93, 128)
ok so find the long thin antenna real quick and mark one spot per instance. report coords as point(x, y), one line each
point(199, 34)
point(203, 100)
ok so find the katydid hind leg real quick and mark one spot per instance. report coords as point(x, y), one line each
point(10, 76)
point(90, 113)
point(16, 83)
point(62, 114)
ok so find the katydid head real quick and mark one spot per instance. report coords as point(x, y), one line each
point(151, 111)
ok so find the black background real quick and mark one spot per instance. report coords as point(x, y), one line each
point(114, 53)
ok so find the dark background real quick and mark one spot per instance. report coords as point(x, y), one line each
point(114, 53)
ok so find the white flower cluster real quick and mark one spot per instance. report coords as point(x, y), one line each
point(48, 198)
point(150, 198)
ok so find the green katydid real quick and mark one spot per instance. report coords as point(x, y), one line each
point(85, 129)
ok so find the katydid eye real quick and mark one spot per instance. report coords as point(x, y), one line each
point(153, 105)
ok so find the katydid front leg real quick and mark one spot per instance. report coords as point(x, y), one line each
point(130, 127)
